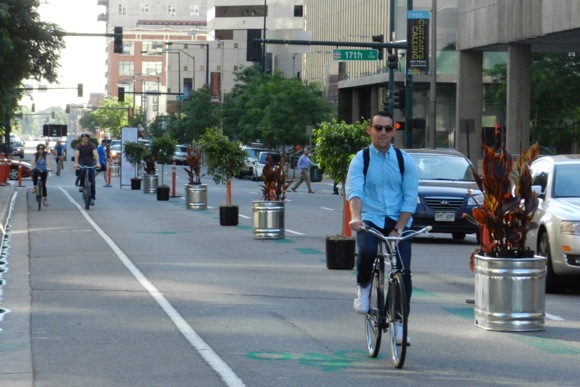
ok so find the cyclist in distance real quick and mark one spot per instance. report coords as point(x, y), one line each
point(41, 163)
point(385, 199)
point(86, 155)
point(59, 151)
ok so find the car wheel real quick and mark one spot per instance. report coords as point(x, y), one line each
point(458, 235)
point(13, 173)
point(553, 283)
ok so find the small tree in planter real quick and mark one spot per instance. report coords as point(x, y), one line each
point(162, 150)
point(275, 183)
point(224, 159)
point(134, 153)
point(336, 145)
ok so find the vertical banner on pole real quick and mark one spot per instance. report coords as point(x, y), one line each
point(418, 41)
point(215, 86)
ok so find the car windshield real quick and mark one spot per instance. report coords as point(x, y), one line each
point(253, 152)
point(182, 149)
point(275, 157)
point(566, 182)
point(442, 167)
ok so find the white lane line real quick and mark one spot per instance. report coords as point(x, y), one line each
point(204, 350)
point(328, 209)
point(553, 317)
point(294, 232)
point(243, 216)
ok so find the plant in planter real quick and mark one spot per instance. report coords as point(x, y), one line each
point(509, 277)
point(224, 159)
point(336, 145)
point(274, 179)
point(162, 150)
point(134, 153)
point(193, 160)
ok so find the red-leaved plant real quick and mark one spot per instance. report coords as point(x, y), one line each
point(274, 178)
point(508, 204)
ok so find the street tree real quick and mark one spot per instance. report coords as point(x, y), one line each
point(29, 49)
point(272, 108)
point(110, 114)
point(198, 114)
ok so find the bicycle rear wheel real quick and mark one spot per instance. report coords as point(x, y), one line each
point(58, 167)
point(397, 313)
point(39, 197)
point(374, 318)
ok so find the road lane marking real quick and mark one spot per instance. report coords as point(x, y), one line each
point(204, 350)
point(554, 317)
point(328, 209)
point(294, 232)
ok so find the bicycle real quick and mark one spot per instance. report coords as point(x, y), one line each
point(59, 164)
point(387, 311)
point(38, 187)
point(87, 185)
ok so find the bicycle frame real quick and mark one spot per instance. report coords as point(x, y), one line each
point(390, 309)
point(87, 184)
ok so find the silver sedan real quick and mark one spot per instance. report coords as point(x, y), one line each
point(557, 237)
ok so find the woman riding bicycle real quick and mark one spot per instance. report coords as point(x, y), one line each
point(40, 167)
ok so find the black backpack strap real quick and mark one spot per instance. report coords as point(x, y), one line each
point(367, 158)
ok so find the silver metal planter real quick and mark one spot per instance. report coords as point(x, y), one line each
point(510, 293)
point(150, 183)
point(196, 196)
point(268, 219)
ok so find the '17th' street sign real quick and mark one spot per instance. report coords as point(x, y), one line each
point(355, 54)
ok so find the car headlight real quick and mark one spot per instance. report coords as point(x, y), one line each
point(475, 199)
point(570, 227)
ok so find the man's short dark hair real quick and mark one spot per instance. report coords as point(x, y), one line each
point(383, 113)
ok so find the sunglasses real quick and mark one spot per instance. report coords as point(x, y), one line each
point(387, 128)
point(41, 148)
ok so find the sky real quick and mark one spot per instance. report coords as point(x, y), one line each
point(83, 59)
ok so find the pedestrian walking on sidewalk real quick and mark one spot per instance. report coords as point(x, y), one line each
point(304, 164)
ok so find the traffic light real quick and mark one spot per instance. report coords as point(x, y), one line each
point(121, 94)
point(400, 125)
point(118, 41)
point(80, 90)
point(379, 39)
point(67, 109)
point(399, 99)
point(393, 60)
point(52, 115)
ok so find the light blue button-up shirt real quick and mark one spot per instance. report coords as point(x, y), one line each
point(385, 193)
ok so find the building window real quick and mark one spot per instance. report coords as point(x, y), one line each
point(151, 68)
point(126, 67)
point(298, 10)
point(194, 10)
point(144, 8)
point(171, 10)
point(152, 48)
point(122, 9)
point(241, 11)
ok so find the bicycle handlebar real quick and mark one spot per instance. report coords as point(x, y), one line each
point(405, 235)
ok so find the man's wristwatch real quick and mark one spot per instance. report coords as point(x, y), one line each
point(399, 231)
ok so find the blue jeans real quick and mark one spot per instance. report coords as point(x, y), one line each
point(367, 251)
point(91, 177)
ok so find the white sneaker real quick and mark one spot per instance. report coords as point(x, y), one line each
point(361, 302)
point(399, 331)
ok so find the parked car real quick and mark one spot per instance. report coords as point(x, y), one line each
point(13, 172)
point(253, 151)
point(557, 237)
point(16, 147)
point(115, 152)
point(261, 162)
point(445, 176)
point(180, 154)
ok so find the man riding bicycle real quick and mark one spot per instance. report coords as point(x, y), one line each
point(40, 167)
point(86, 155)
point(384, 196)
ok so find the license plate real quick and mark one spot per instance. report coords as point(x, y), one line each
point(445, 216)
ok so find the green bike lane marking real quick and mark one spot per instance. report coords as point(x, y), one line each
point(327, 363)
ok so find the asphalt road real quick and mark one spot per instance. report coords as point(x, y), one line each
point(140, 292)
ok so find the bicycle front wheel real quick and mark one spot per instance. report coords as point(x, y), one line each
point(374, 318)
point(39, 198)
point(87, 196)
point(397, 313)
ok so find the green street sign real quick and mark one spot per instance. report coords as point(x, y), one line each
point(180, 98)
point(354, 54)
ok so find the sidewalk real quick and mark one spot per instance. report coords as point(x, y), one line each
point(6, 193)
